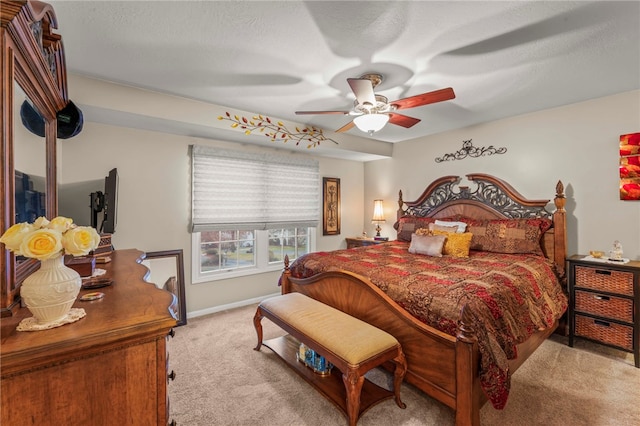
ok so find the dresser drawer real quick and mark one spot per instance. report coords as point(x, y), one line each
point(620, 282)
point(605, 332)
point(604, 305)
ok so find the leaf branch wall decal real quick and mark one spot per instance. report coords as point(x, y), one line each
point(313, 136)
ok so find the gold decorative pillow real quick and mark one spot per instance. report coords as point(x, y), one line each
point(430, 245)
point(456, 245)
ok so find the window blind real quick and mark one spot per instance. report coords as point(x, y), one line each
point(242, 190)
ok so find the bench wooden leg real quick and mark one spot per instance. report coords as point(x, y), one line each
point(398, 376)
point(353, 384)
point(257, 323)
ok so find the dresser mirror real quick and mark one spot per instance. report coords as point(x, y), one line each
point(33, 68)
point(30, 167)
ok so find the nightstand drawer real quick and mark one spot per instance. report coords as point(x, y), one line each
point(620, 282)
point(605, 332)
point(604, 305)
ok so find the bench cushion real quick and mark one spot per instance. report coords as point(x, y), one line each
point(351, 339)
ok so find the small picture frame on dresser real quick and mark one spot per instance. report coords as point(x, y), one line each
point(167, 272)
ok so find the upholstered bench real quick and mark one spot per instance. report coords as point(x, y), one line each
point(351, 345)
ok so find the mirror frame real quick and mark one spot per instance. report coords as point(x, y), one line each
point(181, 311)
point(32, 56)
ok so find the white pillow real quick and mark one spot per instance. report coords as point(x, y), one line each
point(461, 225)
point(435, 227)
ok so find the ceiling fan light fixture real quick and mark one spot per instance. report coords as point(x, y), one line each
point(371, 123)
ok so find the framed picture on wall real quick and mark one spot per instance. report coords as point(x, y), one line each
point(630, 166)
point(330, 206)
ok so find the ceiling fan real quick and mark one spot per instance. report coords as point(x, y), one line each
point(373, 111)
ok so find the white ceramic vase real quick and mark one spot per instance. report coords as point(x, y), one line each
point(50, 291)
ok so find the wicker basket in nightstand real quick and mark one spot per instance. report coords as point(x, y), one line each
point(605, 303)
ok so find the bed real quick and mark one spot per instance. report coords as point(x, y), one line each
point(449, 322)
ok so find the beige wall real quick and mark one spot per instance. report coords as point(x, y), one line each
point(577, 144)
point(154, 200)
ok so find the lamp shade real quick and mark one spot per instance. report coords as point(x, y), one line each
point(378, 211)
point(371, 123)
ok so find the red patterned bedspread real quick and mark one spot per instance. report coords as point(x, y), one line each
point(511, 296)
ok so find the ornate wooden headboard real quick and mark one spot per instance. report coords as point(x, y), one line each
point(492, 198)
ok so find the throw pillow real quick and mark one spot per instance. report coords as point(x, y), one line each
point(456, 245)
point(461, 226)
point(430, 245)
point(423, 231)
point(511, 236)
point(446, 228)
point(407, 225)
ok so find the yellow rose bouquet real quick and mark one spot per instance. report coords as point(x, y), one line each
point(47, 239)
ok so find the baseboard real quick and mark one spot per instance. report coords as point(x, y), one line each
point(214, 309)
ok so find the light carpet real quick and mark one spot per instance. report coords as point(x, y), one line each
point(221, 380)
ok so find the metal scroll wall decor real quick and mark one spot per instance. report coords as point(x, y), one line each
point(277, 130)
point(468, 150)
point(630, 166)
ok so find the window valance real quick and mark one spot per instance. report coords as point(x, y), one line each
point(243, 190)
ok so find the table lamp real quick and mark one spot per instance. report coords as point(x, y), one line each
point(378, 215)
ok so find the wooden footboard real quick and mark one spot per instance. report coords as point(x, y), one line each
point(444, 367)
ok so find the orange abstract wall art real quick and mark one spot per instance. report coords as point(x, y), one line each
point(630, 166)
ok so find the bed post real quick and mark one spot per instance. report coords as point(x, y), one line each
point(400, 211)
point(467, 378)
point(284, 278)
point(560, 232)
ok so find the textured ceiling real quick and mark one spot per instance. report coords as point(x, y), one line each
point(276, 57)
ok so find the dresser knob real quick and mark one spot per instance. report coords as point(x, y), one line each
point(172, 375)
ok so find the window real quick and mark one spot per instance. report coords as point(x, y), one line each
point(292, 242)
point(250, 211)
point(226, 254)
point(226, 250)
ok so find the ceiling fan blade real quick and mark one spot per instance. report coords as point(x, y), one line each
point(322, 112)
point(425, 98)
point(363, 89)
point(403, 120)
point(346, 127)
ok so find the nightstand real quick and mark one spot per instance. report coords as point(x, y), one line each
point(604, 303)
point(361, 242)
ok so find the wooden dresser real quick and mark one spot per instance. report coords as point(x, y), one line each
point(605, 303)
point(108, 368)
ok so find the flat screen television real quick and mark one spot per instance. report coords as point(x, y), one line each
point(91, 203)
point(110, 218)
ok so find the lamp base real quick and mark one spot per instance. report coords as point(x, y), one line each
point(378, 229)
